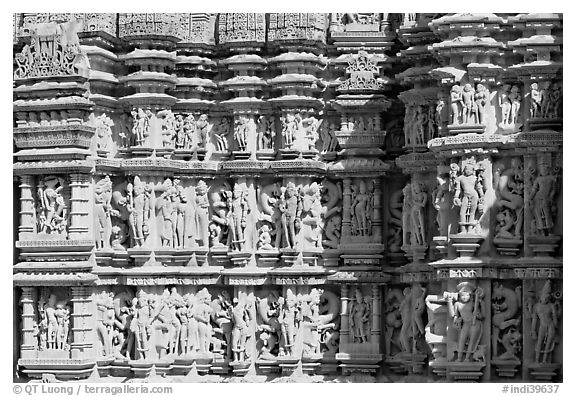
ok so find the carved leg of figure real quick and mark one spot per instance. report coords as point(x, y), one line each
point(130, 339)
point(292, 238)
point(550, 338)
point(475, 333)
point(463, 337)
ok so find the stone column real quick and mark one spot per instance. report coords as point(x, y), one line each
point(377, 214)
point(376, 310)
point(28, 347)
point(79, 210)
point(529, 161)
point(82, 344)
point(27, 227)
point(344, 325)
point(346, 206)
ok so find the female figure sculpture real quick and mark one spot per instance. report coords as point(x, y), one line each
point(419, 201)
point(456, 104)
point(360, 209)
point(541, 199)
point(544, 324)
point(360, 316)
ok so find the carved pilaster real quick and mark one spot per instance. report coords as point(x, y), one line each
point(346, 210)
point(79, 206)
point(375, 334)
point(344, 324)
point(377, 215)
point(28, 347)
point(27, 227)
point(81, 345)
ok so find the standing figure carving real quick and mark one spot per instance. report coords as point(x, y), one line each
point(419, 202)
point(407, 205)
point(290, 126)
point(240, 329)
point(140, 213)
point(201, 313)
point(237, 212)
point(465, 307)
point(290, 209)
point(167, 205)
point(202, 130)
point(541, 199)
point(141, 325)
point(468, 195)
point(360, 313)
point(201, 214)
point(545, 321)
point(290, 318)
point(141, 125)
point(443, 203)
point(241, 132)
point(361, 213)
point(102, 212)
point(456, 104)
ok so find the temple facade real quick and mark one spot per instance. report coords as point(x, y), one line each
point(290, 195)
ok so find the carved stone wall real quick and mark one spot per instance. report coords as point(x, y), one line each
point(211, 196)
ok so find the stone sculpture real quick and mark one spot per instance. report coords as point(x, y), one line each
point(202, 219)
point(240, 330)
point(509, 187)
point(419, 202)
point(266, 132)
point(102, 212)
point(469, 194)
point(541, 199)
point(237, 213)
point(505, 323)
point(141, 125)
point(465, 307)
point(543, 330)
point(360, 317)
point(290, 318)
point(52, 214)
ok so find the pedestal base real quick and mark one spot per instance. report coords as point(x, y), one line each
point(506, 368)
point(267, 258)
point(239, 259)
point(289, 256)
point(536, 123)
point(466, 245)
point(543, 371)
point(456, 129)
point(62, 369)
point(266, 155)
point(465, 371)
point(507, 247)
point(441, 247)
point(219, 255)
point(331, 257)
point(359, 363)
point(141, 368)
point(240, 369)
point(544, 246)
